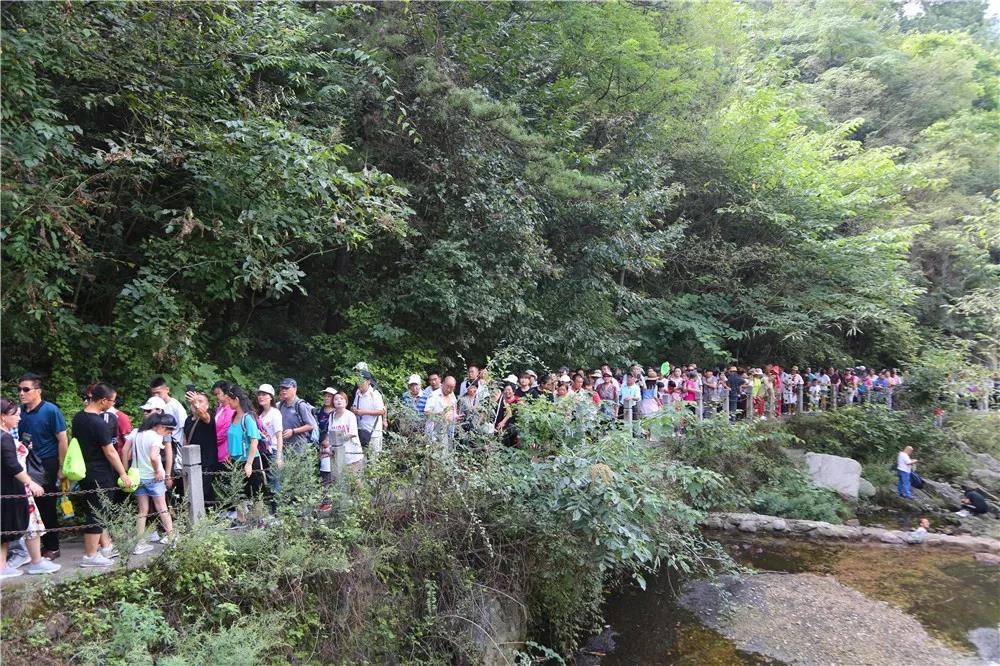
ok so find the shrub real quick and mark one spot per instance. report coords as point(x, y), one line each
point(792, 495)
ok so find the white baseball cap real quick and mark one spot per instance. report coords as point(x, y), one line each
point(511, 379)
point(565, 379)
point(414, 379)
point(154, 403)
point(266, 388)
point(330, 390)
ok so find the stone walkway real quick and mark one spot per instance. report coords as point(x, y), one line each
point(70, 554)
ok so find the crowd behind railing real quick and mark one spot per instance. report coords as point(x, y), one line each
point(176, 450)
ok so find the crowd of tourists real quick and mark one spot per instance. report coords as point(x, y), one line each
point(253, 431)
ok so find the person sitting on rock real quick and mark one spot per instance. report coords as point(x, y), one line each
point(973, 503)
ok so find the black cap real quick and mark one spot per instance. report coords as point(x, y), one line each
point(167, 420)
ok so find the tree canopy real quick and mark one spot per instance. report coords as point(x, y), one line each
point(276, 186)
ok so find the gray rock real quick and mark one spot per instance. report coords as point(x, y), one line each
point(779, 525)
point(951, 496)
point(866, 490)
point(748, 526)
point(891, 537)
point(842, 475)
point(813, 620)
point(988, 479)
point(987, 558)
point(987, 642)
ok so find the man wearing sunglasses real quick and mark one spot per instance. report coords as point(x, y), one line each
point(47, 427)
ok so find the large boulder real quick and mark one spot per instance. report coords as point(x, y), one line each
point(842, 475)
point(866, 489)
point(951, 496)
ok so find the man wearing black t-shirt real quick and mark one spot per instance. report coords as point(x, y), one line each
point(104, 468)
point(199, 430)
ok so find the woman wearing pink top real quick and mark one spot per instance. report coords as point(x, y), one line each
point(223, 418)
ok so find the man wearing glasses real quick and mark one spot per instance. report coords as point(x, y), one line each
point(47, 427)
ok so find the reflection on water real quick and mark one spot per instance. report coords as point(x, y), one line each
point(948, 593)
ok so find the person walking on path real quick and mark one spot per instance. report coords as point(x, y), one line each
point(296, 416)
point(47, 427)
point(18, 515)
point(904, 468)
point(152, 475)
point(97, 445)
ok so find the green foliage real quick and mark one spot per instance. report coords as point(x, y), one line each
point(747, 454)
point(791, 494)
point(978, 430)
point(403, 566)
point(204, 184)
point(873, 435)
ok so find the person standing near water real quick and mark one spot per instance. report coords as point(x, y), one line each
point(904, 468)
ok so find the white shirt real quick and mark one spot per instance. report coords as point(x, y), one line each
point(343, 431)
point(904, 463)
point(372, 399)
point(147, 444)
point(439, 403)
point(271, 420)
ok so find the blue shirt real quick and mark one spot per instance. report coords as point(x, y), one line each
point(630, 393)
point(239, 446)
point(44, 424)
point(422, 399)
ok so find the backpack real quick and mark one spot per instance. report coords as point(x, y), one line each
point(314, 433)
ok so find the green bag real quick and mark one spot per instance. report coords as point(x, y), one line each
point(133, 476)
point(74, 467)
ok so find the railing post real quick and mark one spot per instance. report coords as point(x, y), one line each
point(725, 402)
point(888, 399)
point(801, 401)
point(701, 405)
point(191, 469)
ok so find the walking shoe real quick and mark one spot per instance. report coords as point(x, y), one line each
point(50, 554)
point(167, 539)
point(154, 537)
point(17, 561)
point(95, 560)
point(8, 572)
point(110, 552)
point(43, 566)
point(141, 548)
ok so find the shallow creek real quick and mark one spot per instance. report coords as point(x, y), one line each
point(948, 593)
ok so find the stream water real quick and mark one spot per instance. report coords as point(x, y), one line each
point(948, 593)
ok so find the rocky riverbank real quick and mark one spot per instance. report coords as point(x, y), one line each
point(755, 522)
point(813, 620)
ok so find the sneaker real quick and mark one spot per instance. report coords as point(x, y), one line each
point(154, 537)
point(50, 554)
point(141, 548)
point(9, 572)
point(43, 566)
point(96, 560)
point(167, 539)
point(17, 561)
point(110, 552)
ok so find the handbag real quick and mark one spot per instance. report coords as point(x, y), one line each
point(133, 477)
point(35, 469)
point(916, 481)
point(74, 466)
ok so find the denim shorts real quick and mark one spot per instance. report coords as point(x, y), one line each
point(151, 488)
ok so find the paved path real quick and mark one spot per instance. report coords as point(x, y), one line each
point(70, 553)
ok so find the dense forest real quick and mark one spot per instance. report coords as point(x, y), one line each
point(269, 187)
